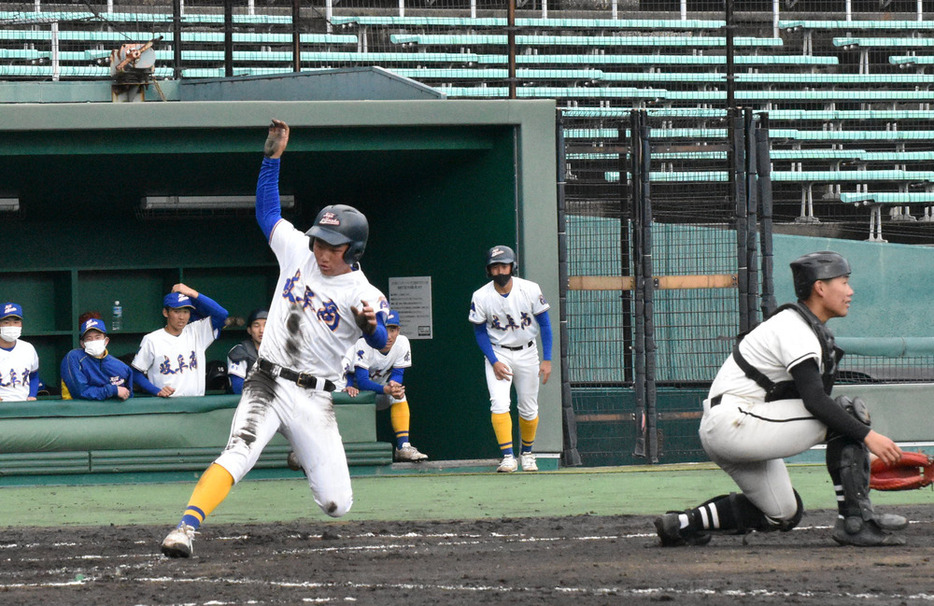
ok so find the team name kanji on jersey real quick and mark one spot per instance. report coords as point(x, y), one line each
point(328, 313)
point(165, 367)
point(14, 378)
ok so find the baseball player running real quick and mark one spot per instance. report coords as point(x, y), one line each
point(19, 362)
point(508, 313)
point(323, 303)
point(771, 400)
point(382, 371)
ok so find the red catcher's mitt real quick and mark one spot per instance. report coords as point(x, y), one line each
point(913, 470)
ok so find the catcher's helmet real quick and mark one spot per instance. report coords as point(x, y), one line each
point(815, 266)
point(501, 254)
point(339, 224)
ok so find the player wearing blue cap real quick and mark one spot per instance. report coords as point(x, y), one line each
point(19, 362)
point(381, 371)
point(173, 356)
point(91, 373)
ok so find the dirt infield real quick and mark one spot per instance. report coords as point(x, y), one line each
point(580, 559)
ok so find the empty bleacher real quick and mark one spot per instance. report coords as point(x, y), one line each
point(848, 96)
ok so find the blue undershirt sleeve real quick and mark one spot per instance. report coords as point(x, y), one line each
point(377, 340)
point(483, 341)
point(545, 324)
point(362, 377)
point(140, 379)
point(236, 384)
point(34, 384)
point(268, 208)
point(396, 375)
point(206, 306)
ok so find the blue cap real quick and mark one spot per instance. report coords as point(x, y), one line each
point(257, 314)
point(12, 309)
point(93, 324)
point(176, 300)
point(393, 318)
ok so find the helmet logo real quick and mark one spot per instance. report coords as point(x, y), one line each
point(329, 218)
point(496, 252)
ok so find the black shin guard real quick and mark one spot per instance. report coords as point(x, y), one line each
point(848, 465)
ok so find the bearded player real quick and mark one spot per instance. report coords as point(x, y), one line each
point(508, 313)
point(323, 304)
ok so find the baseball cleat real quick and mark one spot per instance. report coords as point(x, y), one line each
point(671, 534)
point(178, 542)
point(508, 465)
point(408, 453)
point(528, 461)
point(891, 521)
point(855, 531)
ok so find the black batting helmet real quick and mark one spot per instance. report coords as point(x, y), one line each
point(809, 268)
point(339, 224)
point(501, 254)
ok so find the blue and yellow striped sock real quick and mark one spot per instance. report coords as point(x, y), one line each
point(211, 490)
point(399, 417)
point(502, 427)
point(527, 430)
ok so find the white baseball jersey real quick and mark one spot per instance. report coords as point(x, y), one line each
point(773, 347)
point(509, 320)
point(177, 361)
point(310, 325)
point(15, 366)
point(381, 365)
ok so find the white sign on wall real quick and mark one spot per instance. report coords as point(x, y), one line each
point(411, 297)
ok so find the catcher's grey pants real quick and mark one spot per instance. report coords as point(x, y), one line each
point(749, 439)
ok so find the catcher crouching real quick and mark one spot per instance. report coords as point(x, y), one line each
point(770, 400)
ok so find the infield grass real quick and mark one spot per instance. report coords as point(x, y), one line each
point(595, 491)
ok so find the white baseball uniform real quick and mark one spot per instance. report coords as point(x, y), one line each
point(309, 329)
point(380, 365)
point(177, 361)
point(510, 322)
point(747, 436)
point(15, 366)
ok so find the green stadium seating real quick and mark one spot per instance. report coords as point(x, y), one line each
point(909, 60)
point(888, 198)
point(590, 41)
point(856, 25)
point(545, 23)
point(788, 176)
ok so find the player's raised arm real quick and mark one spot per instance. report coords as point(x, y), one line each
point(268, 208)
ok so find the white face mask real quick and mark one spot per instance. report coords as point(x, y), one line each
point(95, 348)
point(10, 333)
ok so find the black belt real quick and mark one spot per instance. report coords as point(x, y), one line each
point(301, 379)
point(518, 347)
point(715, 400)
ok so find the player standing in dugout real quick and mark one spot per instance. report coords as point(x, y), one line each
point(321, 307)
point(508, 313)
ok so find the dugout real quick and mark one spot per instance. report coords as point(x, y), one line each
point(439, 180)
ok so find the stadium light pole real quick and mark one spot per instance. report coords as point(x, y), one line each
point(296, 37)
point(511, 43)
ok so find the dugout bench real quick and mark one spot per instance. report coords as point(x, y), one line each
point(80, 441)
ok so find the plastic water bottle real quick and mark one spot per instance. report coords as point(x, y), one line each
point(116, 322)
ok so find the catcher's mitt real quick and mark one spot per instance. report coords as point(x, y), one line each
point(913, 470)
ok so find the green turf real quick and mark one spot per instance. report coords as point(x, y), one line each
point(597, 491)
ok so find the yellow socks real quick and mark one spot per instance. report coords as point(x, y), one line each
point(527, 431)
point(399, 416)
point(211, 490)
point(502, 427)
